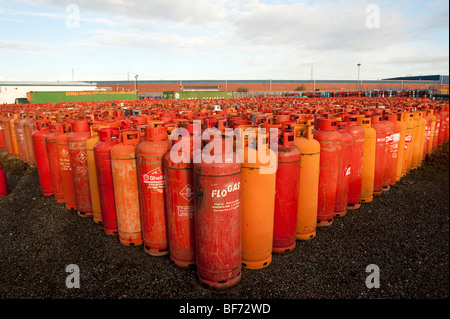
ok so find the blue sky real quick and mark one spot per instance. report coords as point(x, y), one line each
point(44, 40)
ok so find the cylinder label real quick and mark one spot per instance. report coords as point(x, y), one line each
point(396, 137)
point(408, 139)
point(389, 138)
point(81, 157)
point(186, 211)
point(348, 171)
point(187, 192)
point(226, 207)
point(154, 180)
point(224, 192)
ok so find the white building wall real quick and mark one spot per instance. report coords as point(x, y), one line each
point(10, 91)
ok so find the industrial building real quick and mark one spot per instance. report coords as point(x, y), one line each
point(153, 88)
point(16, 91)
point(13, 92)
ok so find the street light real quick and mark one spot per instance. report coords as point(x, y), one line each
point(357, 86)
point(135, 82)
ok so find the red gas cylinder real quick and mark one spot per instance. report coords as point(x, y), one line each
point(380, 129)
point(437, 129)
point(345, 170)
point(3, 182)
point(53, 158)
point(355, 179)
point(388, 153)
point(443, 126)
point(330, 160)
point(2, 134)
point(66, 168)
point(218, 216)
point(18, 128)
point(42, 162)
point(78, 160)
point(104, 178)
point(286, 194)
point(446, 130)
point(178, 171)
point(149, 159)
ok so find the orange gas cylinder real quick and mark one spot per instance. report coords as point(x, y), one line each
point(25, 145)
point(426, 121)
point(380, 130)
point(401, 145)
point(149, 159)
point(126, 189)
point(52, 151)
point(388, 153)
point(92, 170)
point(66, 168)
point(395, 150)
point(286, 194)
point(29, 126)
point(178, 171)
point(340, 204)
point(12, 130)
point(417, 140)
point(423, 137)
point(218, 218)
point(368, 166)
point(78, 160)
point(15, 146)
point(432, 131)
point(355, 178)
point(258, 178)
point(7, 132)
point(42, 163)
point(308, 190)
point(330, 160)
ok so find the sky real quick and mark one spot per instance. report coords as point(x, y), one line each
point(101, 40)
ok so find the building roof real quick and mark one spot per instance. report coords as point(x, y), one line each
point(39, 83)
point(183, 82)
point(437, 78)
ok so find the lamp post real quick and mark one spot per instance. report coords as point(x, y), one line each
point(135, 82)
point(357, 86)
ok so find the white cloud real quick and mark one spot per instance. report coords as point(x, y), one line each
point(273, 38)
point(193, 11)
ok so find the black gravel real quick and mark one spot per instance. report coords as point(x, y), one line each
point(405, 232)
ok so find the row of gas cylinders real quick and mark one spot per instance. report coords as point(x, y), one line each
point(220, 216)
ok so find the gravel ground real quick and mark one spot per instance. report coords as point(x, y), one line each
point(405, 232)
